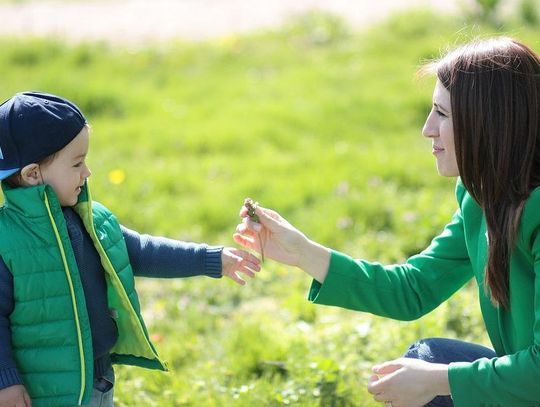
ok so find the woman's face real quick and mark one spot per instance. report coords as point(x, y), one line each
point(439, 128)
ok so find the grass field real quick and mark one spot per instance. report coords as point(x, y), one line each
point(317, 121)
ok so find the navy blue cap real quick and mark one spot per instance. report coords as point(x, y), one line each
point(34, 125)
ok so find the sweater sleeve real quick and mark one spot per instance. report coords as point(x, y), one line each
point(9, 374)
point(401, 291)
point(153, 256)
point(508, 380)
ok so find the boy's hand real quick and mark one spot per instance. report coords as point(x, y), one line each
point(15, 396)
point(236, 260)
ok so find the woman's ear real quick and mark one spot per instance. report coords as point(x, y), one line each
point(31, 175)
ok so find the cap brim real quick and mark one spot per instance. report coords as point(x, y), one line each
point(6, 173)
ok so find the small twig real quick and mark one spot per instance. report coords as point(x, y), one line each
point(251, 206)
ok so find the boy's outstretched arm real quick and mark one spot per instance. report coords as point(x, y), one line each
point(161, 257)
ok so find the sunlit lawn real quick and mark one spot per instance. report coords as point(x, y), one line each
point(314, 120)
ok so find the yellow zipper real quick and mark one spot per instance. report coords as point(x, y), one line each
point(115, 276)
point(75, 311)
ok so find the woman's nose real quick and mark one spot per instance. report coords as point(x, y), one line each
point(430, 128)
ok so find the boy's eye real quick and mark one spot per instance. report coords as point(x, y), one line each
point(78, 164)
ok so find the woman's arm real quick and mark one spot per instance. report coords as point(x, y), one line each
point(404, 291)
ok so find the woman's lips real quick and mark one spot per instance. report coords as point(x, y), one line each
point(437, 150)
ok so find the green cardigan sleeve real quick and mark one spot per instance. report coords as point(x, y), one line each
point(410, 290)
point(400, 291)
point(511, 380)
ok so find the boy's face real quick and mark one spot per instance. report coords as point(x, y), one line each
point(67, 172)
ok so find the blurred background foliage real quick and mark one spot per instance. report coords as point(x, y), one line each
point(316, 120)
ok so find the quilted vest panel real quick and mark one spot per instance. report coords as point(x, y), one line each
point(51, 335)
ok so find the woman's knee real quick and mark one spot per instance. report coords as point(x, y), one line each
point(421, 349)
point(443, 350)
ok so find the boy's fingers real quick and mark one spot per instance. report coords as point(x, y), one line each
point(246, 261)
point(250, 258)
point(251, 267)
point(249, 262)
point(248, 272)
point(237, 279)
point(25, 402)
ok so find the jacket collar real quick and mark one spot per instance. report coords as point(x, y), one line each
point(29, 201)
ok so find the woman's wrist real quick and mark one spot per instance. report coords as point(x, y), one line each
point(314, 260)
point(441, 382)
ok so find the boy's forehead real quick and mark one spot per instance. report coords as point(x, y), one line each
point(78, 147)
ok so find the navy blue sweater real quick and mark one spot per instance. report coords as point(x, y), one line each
point(149, 256)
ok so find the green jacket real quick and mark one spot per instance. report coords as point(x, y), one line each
point(459, 253)
point(51, 336)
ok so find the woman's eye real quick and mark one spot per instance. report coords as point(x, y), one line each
point(441, 114)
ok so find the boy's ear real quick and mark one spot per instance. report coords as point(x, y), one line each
point(30, 175)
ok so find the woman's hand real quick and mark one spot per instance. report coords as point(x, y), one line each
point(15, 396)
point(235, 261)
point(282, 242)
point(409, 382)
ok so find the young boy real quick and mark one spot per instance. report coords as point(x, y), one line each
point(68, 305)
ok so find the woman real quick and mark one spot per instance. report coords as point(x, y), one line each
point(484, 127)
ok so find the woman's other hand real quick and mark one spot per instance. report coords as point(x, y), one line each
point(409, 382)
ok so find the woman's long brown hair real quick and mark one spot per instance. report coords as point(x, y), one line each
point(494, 89)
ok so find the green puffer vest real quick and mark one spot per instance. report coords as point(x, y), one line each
point(51, 337)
